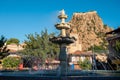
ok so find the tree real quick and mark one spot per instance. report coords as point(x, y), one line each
point(117, 46)
point(38, 45)
point(85, 65)
point(11, 62)
point(97, 48)
point(3, 48)
point(13, 40)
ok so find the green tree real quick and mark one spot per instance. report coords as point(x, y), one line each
point(13, 40)
point(117, 46)
point(11, 62)
point(85, 65)
point(38, 45)
point(3, 47)
point(96, 48)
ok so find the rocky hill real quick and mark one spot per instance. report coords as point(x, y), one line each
point(89, 27)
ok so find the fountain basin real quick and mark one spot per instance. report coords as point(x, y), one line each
point(54, 75)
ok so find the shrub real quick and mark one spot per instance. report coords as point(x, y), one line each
point(11, 62)
point(117, 46)
point(96, 48)
point(86, 65)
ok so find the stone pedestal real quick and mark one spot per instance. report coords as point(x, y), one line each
point(63, 59)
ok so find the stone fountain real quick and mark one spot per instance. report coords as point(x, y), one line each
point(63, 40)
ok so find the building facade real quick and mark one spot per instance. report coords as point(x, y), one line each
point(113, 39)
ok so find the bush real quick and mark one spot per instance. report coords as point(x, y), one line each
point(11, 62)
point(97, 48)
point(85, 65)
point(117, 46)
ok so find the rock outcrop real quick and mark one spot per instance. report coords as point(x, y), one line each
point(89, 27)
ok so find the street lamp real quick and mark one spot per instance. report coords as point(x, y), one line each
point(93, 57)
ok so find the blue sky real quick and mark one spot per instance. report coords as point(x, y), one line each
point(20, 17)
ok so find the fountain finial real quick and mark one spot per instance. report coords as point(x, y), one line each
point(62, 12)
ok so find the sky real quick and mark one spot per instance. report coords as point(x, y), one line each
point(21, 17)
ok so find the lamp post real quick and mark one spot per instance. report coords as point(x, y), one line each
point(93, 57)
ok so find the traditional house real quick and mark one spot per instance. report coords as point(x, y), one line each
point(113, 39)
point(77, 56)
point(14, 47)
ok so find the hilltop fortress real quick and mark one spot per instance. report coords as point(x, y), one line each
point(88, 28)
